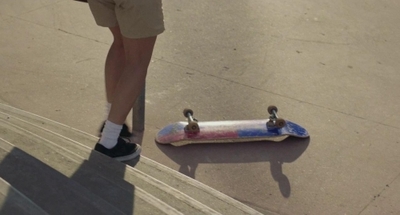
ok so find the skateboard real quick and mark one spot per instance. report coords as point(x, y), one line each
point(194, 132)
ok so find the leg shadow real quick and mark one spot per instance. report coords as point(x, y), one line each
point(84, 192)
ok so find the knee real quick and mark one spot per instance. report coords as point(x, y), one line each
point(118, 45)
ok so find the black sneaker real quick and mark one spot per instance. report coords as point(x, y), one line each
point(125, 131)
point(123, 151)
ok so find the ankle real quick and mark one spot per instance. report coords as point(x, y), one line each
point(110, 134)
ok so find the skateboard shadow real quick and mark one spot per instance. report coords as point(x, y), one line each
point(276, 153)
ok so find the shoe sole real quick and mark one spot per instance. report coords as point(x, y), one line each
point(131, 156)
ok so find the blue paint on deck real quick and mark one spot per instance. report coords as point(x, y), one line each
point(258, 132)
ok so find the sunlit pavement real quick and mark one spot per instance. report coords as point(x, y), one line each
point(330, 66)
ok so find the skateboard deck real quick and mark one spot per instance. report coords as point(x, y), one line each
point(178, 134)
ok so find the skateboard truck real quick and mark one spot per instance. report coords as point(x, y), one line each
point(192, 126)
point(274, 121)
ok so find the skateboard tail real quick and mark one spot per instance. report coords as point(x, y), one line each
point(170, 133)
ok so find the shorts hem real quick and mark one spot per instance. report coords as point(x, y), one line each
point(142, 35)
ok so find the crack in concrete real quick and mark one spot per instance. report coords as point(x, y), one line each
point(280, 95)
point(380, 193)
point(44, 6)
point(318, 41)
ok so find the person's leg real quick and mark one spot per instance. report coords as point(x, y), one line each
point(139, 24)
point(138, 54)
point(104, 14)
point(115, 63)
point(114, 66)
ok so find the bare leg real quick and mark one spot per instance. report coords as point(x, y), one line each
point(115, 63)
point(138, 54)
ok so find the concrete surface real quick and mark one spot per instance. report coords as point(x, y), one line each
point(331, 66)
point(55, 167)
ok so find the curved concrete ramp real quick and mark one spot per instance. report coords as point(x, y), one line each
point(50, 168)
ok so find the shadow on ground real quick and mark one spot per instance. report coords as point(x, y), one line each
point(85, 191)
point(276, 153)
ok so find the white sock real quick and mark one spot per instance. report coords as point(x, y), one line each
point(110, 134)
point(107, 110)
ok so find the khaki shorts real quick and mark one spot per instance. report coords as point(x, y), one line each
point(136, 18)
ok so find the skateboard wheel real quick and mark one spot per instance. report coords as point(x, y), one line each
point(280, 123)
point(187, 111)
point(272, 108)
point(192, 127)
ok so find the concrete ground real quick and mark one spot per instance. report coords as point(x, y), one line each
point(331, 66)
